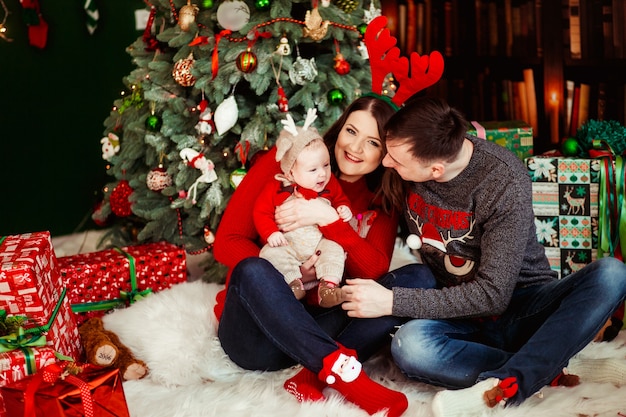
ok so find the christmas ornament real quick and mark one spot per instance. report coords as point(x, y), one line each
point(336, 96)
point(206, 4)
point(120, 205)
point(283, 103)
point(197, 160)
point(3, 27)
point(37, 26)
point(153, 122)
point(341, 66)
point(413, 241)
point(158, 179)
point(182, 71)
point(246, 62)
point(237, 175)
point(302, 70)
point(325, 3)
point(361, 28)
point(226, 115)
point(205, 125)
point(348, 6)
point(315, 28)
point(91, 10)
point(372, 13)
point(187, 15)
point(209, 237)
point(233, 14)
point(98, 217)
point(262, 4)
point(110, 146)
point(283, 47)
point(570, 147)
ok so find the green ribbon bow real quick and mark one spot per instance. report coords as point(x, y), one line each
point(612, 205)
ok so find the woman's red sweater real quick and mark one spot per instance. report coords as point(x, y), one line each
point(236, 237)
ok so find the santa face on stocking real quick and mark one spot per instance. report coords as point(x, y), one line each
point(347, 368)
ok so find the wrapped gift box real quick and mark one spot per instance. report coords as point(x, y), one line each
point(17, 364)
point(31, 286)
point(98, 281)
point(515, 135)
point(46, 395)
point(565, 203)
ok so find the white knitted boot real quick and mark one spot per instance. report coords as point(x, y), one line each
point(474, 400)
point(599, 370)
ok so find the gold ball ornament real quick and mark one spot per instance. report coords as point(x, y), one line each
point(187, 16)
point(182, 71)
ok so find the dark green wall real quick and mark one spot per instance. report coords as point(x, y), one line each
point(53, 103)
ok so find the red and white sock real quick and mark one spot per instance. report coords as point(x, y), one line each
point(342, 371)
point(474, 400)
point(305, 386)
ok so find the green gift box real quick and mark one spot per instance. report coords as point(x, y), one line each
point(515, 135)
point(565, 203)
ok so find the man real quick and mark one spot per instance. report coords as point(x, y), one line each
point(499, 325)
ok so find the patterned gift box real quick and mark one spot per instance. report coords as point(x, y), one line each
point(30, 286)
point(17, 364)
point(565, 202)
point(100, 281)
point(515, 135)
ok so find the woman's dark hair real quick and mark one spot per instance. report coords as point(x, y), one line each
point(378, 180)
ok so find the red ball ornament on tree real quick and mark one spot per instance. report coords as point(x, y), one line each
point(342, 67)
point(120, 205)
point(246, 62)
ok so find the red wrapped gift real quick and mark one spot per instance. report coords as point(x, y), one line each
point(56, 391)
point(31, 286)
point(100, 281)
point(18, 364)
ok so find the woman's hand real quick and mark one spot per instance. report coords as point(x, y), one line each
point(365, 298)
point(299, 212)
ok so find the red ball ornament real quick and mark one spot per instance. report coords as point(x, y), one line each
point(246, 62)
point(120, 205)
point(342, 67)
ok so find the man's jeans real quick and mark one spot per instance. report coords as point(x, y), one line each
point(544, 326)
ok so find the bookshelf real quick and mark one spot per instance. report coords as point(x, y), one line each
point(496, 50)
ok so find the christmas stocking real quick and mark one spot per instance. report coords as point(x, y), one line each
point(305, 386)
point(37, 27)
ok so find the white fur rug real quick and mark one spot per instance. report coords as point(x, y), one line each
point(174, 331)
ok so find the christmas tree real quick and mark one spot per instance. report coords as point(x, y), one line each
point(212, 84)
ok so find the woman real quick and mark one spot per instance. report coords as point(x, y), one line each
point(262, 325)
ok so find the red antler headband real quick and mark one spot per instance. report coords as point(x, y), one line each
point(385, 58)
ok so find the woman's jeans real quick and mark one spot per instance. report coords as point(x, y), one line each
point(264, 327)
point(543, 327)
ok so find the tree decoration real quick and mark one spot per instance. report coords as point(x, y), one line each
point(209, 237)
point(283, 102)
point(609, 131)
point(120, 204)
point(315, 27)
point(341, 66)
point(37, 26)
point(283, 47)
point(237, 175)
point(205, 125)
point(158, 179)
point(91, 11)
point(197, 160)
point(262, 4)
point(226, 115)
point(302, 70)
point(3, 27)
point(110, 146)
point(570, 147)
point(153, 122)
point(187, 16)
point(336, 96)
point(247, 61)
point(347, 6)
point(182, 71)
point(206, 4)
point(233, 15)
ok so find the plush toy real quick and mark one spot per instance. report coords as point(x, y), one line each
point(104, 348)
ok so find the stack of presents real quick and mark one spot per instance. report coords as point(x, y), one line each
point(43, 302)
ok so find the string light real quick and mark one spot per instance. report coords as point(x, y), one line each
point(3, 28)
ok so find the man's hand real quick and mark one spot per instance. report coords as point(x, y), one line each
point(365, 298)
